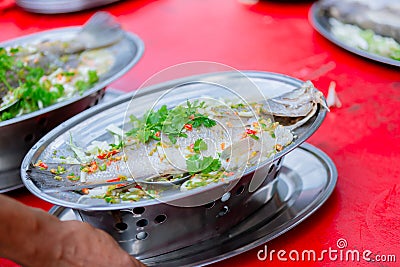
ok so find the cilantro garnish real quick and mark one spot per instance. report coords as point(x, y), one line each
point(25, 82)
point(117, 146)
point(199, 145)
point(82, 85)
point(171, 122)
point(196, 164)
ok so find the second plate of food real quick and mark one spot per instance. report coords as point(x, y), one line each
point(367, 28)
point(53, 75)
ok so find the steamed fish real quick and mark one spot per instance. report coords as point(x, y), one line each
point(370, 25)
point(37, 75)
point(206, 141)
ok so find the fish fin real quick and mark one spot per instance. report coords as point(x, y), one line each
point(101, 30)
point(302, 121)
point(318, 96)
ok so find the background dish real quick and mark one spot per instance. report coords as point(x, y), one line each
point(63, 6)
point(20, 133)
point(321, 24)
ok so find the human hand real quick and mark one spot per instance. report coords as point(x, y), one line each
point(34, 238)
point(84, 245)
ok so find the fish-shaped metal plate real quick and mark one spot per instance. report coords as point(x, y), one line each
point(321, 24)
point(91, 125)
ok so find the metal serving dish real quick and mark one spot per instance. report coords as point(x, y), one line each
point(19, 134)
point(145, 228)
point(320, 22)
point(60, 6)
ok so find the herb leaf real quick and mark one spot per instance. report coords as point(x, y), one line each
point(27, 83)
point(196, 164)
point(199, 145)
point(171, 122)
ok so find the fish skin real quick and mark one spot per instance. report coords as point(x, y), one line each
point(171, 158)
point(382, 17)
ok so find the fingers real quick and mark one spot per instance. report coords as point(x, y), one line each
point(137, 263)
point(93, 247)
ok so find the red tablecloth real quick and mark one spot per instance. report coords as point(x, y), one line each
point(362, 137)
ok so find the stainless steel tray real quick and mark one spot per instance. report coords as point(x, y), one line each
point(321, 24)
point(301, 190)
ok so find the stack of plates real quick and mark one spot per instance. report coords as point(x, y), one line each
point(60, 6)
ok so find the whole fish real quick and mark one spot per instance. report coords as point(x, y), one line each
point(382, 17)
point(194, 138)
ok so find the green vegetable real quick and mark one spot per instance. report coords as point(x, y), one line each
point(23, 82)
point(58, 178)
point(82, 85)
point(170, 122)
point(103, 167)
point(73, 177)
point(255, 137)
point(196, 164)
point(117, 146)
point(199, 145)
point(370, 41)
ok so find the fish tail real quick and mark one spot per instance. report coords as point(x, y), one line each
point(101, 30)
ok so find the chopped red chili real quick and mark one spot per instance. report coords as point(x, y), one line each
point(250, 131)
point(107, 154)
point(114, 180)
point(41, 165)
point(188, 127)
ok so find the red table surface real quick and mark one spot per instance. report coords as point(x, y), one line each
point(361, 137)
